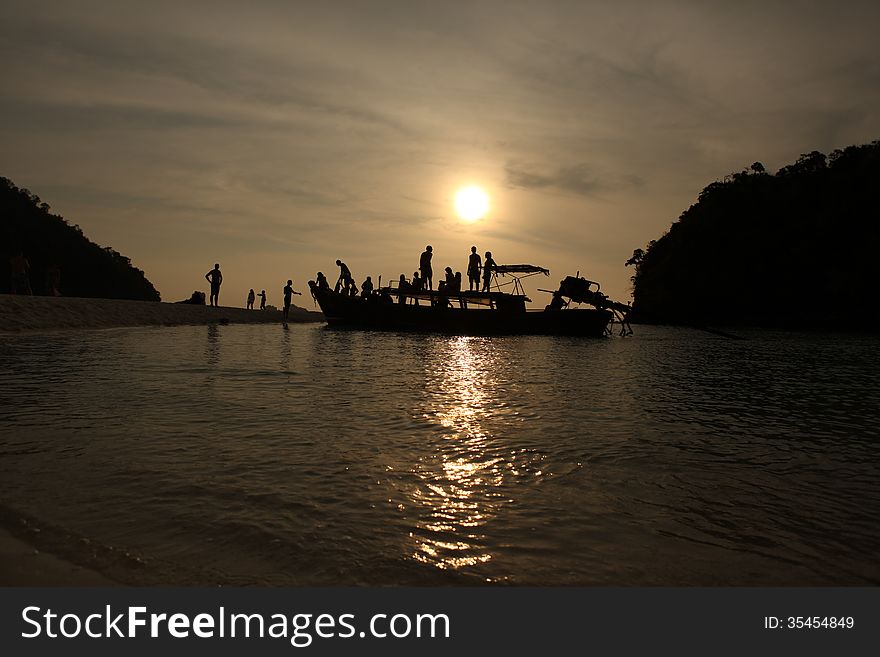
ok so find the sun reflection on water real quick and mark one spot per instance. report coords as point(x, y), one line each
point(459, 487)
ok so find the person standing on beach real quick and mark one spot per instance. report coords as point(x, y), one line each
point(473, 270)
point(19, 268)
point(250, 299)
point(288, 291)
point(53, 280)
point(215, 278)
point(263, 300)
point(425, 268)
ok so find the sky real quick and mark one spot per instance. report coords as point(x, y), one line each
point(274, 137)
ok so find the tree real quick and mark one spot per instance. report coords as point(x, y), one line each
point(52, 245)
point(636, 259)
point(794, 248)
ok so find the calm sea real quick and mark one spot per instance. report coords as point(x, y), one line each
point(259, 454)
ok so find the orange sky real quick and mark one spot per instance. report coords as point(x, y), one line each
point(275, 137)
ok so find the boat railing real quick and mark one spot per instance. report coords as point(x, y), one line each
point(464, 298)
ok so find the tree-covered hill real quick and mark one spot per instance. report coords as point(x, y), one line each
point(796, 248)
point(55, 249)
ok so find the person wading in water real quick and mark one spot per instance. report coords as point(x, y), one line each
point(288, 291)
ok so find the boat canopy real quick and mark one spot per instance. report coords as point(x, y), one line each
point(520, 269)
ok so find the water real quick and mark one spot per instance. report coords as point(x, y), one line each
point(258, 454)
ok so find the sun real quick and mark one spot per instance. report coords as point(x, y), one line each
point(471, 203)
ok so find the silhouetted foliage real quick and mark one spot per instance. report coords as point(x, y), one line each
point(47, 240)
point(791, 249)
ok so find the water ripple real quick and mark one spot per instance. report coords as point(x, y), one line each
point(311, 456)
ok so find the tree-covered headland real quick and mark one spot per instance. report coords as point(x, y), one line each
point(797, 248)
point(57, 250)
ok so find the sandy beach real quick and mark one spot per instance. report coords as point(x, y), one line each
point(22, 564)
point(27, 313)
point(36, 553)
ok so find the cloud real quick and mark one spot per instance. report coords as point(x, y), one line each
point(579, 179)
point(67, 116)
point(325, 127)
point(164, 74)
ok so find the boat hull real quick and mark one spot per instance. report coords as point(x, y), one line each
point(376, 314)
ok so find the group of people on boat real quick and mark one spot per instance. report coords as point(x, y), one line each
point(422, 279)
point(476, 269)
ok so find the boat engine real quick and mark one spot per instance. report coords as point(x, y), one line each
point(579, 290)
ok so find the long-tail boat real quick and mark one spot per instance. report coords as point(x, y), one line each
point(576, 308)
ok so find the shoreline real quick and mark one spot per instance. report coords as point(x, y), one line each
point(33, 554)
point(23, 314)
point(22, 564)
point(37, 553)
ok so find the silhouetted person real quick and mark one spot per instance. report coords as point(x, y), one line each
point(488, 268)
point(53, 281)
point(475, 264)
point(448, 285)
point(19, 267)
point(345, 280)
point(288, 291)
point(250, 299)
point(402, 286)
point(367, 288)
point(456, 285)
point(450, 278)
point(263, 300)
point(215, 278)
point(321, 281)
point(417, 285)
point(425, 268)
